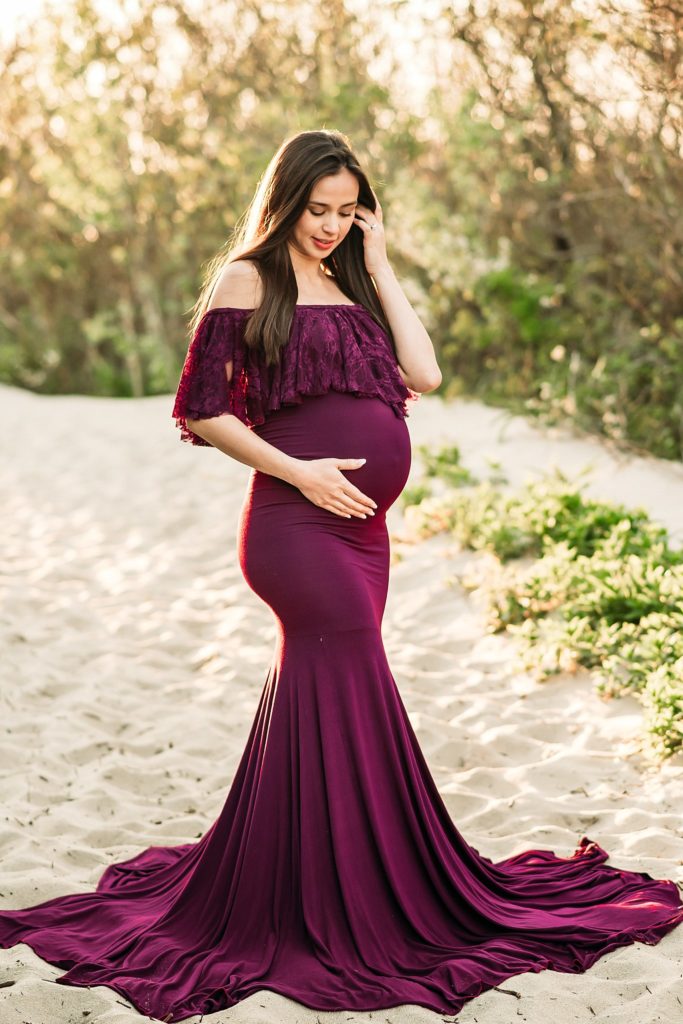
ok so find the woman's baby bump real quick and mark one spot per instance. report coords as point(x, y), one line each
point(341, 425)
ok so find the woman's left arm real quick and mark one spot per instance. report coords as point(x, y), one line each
point(417, 362)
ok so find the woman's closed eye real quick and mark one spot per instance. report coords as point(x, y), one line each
point(316, 214)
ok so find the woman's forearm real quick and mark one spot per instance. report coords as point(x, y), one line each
point(414, 347)
point(234, 438)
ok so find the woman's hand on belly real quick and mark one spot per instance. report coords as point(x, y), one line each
point(321, 481)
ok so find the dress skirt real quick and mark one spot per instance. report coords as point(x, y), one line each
point(334, 874)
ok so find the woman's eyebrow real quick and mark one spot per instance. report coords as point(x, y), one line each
point(316, 202)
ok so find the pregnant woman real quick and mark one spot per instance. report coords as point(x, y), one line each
point(334, 874)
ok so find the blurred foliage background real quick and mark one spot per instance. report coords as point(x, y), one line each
point(532, 203)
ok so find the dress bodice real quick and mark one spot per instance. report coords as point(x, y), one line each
point(330, 348)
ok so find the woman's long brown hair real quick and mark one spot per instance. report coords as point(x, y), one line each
point(262, 232)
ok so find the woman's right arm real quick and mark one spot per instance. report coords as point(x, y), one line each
point(319, 480)
point(236, 439)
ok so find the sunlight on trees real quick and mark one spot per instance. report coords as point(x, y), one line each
point(532, 206)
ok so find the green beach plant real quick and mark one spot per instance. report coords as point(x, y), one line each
point(581, 583)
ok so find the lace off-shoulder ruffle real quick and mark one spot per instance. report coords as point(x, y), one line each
point(330, 348)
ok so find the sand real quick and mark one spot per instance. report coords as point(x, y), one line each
point(134, 655)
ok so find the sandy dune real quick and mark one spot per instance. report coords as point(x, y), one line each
point(134, 654)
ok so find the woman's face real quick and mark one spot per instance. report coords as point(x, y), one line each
point(328, 216)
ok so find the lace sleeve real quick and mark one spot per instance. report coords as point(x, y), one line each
point(213, 379)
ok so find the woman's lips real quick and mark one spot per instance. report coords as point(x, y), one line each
point(324, 245)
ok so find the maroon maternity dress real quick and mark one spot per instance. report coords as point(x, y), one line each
point(334, 874)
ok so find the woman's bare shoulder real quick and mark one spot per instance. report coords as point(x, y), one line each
point(238, 286)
